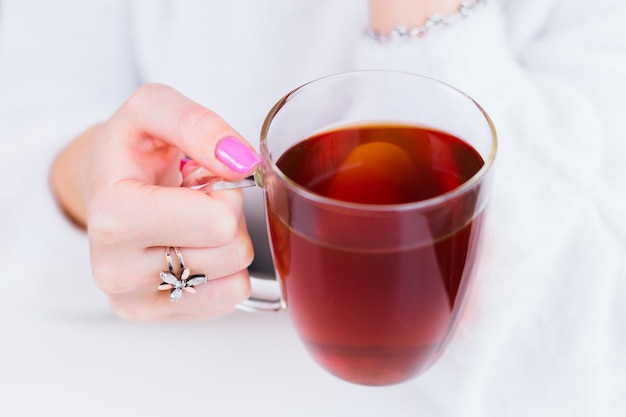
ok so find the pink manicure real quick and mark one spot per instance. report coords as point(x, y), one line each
point(236, 155)
point(184, 162)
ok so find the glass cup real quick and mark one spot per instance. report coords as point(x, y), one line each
point(374, 291)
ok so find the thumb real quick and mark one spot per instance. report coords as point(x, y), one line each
point(160, 112)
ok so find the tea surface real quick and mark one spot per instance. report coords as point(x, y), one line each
point(381, 164)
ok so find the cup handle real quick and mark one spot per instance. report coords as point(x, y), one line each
point(265, 297)
point(216, 184)
point(200, 179)
point(265, 294)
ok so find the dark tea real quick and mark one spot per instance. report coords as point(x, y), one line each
point(374, 288)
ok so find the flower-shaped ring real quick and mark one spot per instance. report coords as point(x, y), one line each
point(185, 281)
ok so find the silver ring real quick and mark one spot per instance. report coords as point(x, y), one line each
point(185, 281)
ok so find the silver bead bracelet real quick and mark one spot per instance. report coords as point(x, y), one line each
point(466, 8)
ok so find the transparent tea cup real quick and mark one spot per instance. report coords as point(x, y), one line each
point(375, 291)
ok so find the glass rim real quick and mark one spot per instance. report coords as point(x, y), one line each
point(414, 205)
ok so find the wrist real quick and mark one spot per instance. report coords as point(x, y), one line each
point(67, 174)
point(385, 15)
point(404, 19)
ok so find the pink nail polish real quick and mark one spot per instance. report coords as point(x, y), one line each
point(236, 155)
point(184, 162)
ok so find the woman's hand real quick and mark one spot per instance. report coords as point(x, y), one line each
point(121, 178)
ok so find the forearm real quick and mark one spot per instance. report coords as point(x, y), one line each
point(68, 173)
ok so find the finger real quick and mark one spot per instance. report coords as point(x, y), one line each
point(121, 271)
point(144, 215)
point(159, 112)
point(211, 299)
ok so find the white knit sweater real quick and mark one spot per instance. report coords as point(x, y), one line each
point(544, 333)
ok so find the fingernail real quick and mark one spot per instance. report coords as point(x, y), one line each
point(189, 167)
point(236, 155)
point(184, 162)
